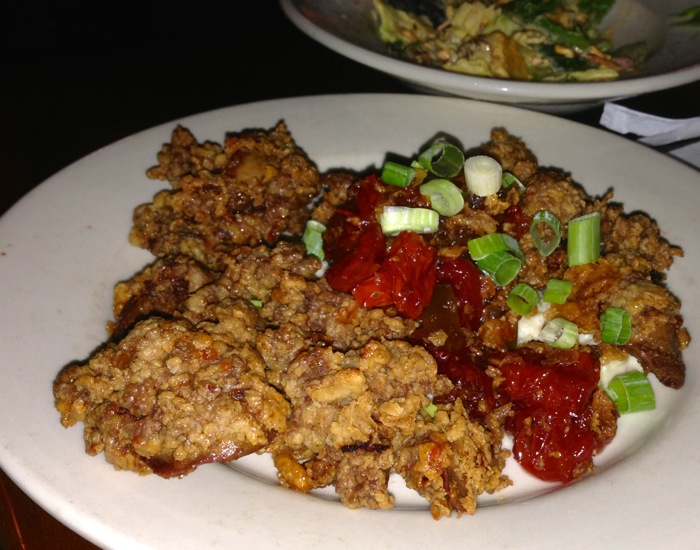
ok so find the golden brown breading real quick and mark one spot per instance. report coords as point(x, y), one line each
point(451, 460)
point(159, 289)
point(512, 153)
point(170, 397)
point(258, 193)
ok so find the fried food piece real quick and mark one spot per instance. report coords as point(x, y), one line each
point(451, 460)
point(634, 240)
point(171, 396)
point(346, 409)
point(251, 273)
point(555, 192)
point(253, 190)
point(330, 316)
point(515, 157)
point(657, 338)
point(159, 289)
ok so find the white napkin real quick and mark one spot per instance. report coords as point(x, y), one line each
point(655, 130)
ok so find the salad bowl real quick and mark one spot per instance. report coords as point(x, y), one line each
point(351, 30)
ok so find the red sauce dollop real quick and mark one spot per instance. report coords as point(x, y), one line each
point(551, 398)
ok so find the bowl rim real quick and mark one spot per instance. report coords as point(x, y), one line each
point(477, 87)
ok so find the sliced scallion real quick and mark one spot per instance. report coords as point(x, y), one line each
point(430, 410)
point(483, 175)
point(548, 239)
point(442, 159)
point(395, 219)
point(313, 238)
point(481, 247)
point(509, 179)
point(615, 326)
point(631, 392)
point(501, 266)
point(445, 197)
point(583, 245)
point(559, 333)
point(397, 174)
point(522, 299)
point(557, 291)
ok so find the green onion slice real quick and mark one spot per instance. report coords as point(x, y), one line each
point(442, 159)
point(430, 410)
point(493, 242)
point(397, 174)
point(584, 239)
point(522, 299)
point(313, 238)
point(615, 326)
point(445, 197)
point(509, 179)
point(395, 219)
point(690, 16)
point(559, 333)
point(557, 291)
point(501, 266)
point(546, 241)
point(483, 175)
point(631, 392)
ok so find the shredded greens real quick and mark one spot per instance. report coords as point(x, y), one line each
point(545, 40)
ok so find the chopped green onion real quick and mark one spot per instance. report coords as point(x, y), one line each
point(498, 255)
point(442, 159)
point(631, 392)
point(545, 245)
point(615, 326)
point(690, 16)
point(256, 303)
point(486, 244)
point(313, 238)
point(501, 266)
point(522, 299)
point(445, 197)
point(483, 175)
point(557, 291)
point(560, 333)
point(430, 410)
point(395, 219)
point(584, 239)
point(397, 175)
point(509, 179)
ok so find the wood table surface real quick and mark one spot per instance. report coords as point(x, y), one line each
point(73, 80)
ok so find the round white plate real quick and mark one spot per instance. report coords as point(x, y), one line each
point(349, 29)
point(64, 246)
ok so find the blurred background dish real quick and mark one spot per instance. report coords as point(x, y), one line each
point(350, 29)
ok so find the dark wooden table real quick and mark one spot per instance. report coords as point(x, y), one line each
point(74, 79)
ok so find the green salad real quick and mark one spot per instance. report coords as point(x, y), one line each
point(547, 40)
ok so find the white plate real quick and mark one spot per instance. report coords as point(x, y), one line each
point(349, 29)
point(64, 246)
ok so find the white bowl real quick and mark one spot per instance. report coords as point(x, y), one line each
point(349, 28)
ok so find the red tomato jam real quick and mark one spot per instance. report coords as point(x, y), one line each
point(471, 383)
point(403, 277)
point(551, 427)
